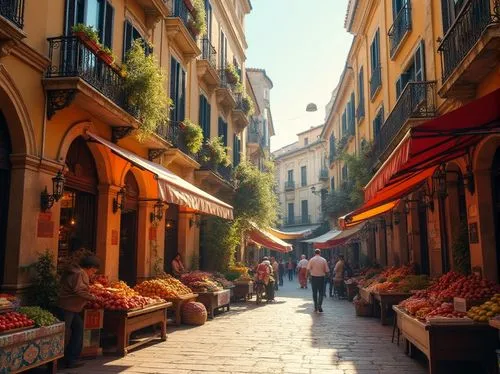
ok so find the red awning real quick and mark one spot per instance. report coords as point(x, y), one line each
point(268, 240)
point(439, 140)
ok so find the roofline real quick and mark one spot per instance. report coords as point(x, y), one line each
point(317, 142)
point(271, 122)
point(310, 129)
point(352, 6)
point(257, 70)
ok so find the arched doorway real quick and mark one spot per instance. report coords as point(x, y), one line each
point(78, 221)
point(127, 270)
point(495, 182)
point(5, 151)
point(171, 236)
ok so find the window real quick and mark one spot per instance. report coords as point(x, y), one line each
point(131, 34)
point(415, 71)
point(208, 12)
point(290, 175)
point(306, 141)
point(378, 122)
point(305, 211)
point(344, 123)
point(303, 176)
point(375, 52)
point(351, 113)
point(222, 126)
point(397, 5)
point(177, 91)
point(361, 95)
point(332, 183)
point(97, 13)
point(291, 213)
point(223, 50)
point(236, 150)
point(205, 112)
point(450, 9)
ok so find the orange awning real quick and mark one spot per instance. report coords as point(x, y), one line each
point(172, 188)
point(353, 218)
point(290, 235)
point(268, 240)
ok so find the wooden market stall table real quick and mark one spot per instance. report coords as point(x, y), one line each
point(243, 290)
point(123, 323)
point(215, 300)
point(385, 300)
point(448, 342)
point(177, 304)
point(28, 349)
point(365, 294)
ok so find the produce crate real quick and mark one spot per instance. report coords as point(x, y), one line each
point(363, 310)
point(243, 291)
point(92, 325)
point(214, 301)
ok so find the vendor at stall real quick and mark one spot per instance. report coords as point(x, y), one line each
point(73, 295)
point(177, 266)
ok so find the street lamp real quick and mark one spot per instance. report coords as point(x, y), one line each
point(46, 199)
point(311, 107)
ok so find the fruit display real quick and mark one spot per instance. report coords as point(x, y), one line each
point(486, 311)
point(14, 320)
point(237, 272)
point(166, 287)
point(8, 301)
point(118, 297)
point(393, 280)
point(200, 281)
point(471, 288)
point(221, 279)
point(444, 311)
point(40, 316)
point(244, 278)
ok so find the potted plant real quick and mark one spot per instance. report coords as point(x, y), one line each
point(238, 88)
point(232, 74)
point(198, 23)
point(193, 136)
point(106, 54)
point(247, 105)
point(88, 35)
point(216, 153)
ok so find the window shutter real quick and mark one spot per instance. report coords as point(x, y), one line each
point(398, 87)
point(109, 19)
point(208, 121)
point(127, 38)
point(182, 96)
point(420, 62)
point(353, 112)
point(445, 10)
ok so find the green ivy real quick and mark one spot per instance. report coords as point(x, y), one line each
point(193, 136)
point(216, 152)
point(200, 17)
point(233, 73)
point(45, 280)
point(221, 239)
point(248, 105)
point(145, 85)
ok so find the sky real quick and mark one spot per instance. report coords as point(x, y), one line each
point(302, 45)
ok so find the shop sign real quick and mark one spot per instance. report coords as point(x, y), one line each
point(93, 319)
point(45, 225)
point(114, 237)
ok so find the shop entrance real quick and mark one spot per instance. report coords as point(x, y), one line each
point(424, 244)
point(78, 220)
point(127, 269)
point(495, 179)
point(5, 151)
point(171, 236)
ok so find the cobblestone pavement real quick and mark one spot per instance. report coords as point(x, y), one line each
point(283, 337)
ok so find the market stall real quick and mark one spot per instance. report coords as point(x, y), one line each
point(351, 287)
point(215, 300)
point(243, 290)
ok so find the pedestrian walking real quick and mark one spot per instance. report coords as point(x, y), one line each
point(281, 269)
point(302, 271)
point(291, 269)
point(339, 276)
point(318, 269)
point(276, 271)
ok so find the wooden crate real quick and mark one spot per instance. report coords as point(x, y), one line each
point(215, 301)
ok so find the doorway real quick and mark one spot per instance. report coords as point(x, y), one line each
point(424, 243)
point(5, 151)
point(171, 236)
point(127, 268)
point(495, 179)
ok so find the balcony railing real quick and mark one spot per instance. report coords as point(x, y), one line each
point(323, 174)
point(180, 10)
point(225, 172)
point(401, 25)
point(172, 132)
point(70, 57)
point(225, 81)
point(208, 52)
point(13, 10)
point(418, 100)
point(297, 220)
point(289, 185)
point(376, 80)
point(472, 21)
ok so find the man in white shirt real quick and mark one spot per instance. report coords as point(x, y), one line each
point(318, 268)
point(302, 271)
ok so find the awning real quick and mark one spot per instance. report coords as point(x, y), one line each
point(172, 188)
point(439, 140)
point(341, 238)
point(290, 235)
point(268, 240)
point(355, 218)
point(323, 238)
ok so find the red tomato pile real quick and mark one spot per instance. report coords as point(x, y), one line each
point(446, 311)
point(472, 288)
point(14, 320)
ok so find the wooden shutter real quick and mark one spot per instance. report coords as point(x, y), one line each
point(420, 62)
point(127, 38)
point(445, 13)
point(109, 19)
point(353, 112)
point(182, 96)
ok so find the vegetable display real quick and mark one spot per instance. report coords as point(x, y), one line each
point(166, 287)
point(14, 320)
point(40, 316)
point(200, 281)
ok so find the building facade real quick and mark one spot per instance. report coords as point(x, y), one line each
point(413, 65)
point(63, 108)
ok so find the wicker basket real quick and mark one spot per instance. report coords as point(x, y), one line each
point(363, 309)
point(194, 316)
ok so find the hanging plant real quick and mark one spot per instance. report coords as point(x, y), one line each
point(232, 74)
point(193, 136)
point(88, 35)
point(216, 152)
point(145, 86)
point(238, 88)
point(247, 105)
point(199, 23)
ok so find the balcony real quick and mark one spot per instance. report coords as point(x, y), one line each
point(215, 178)
point(470, 50)
point(179, 29)
point(240, 118)
point(206, 65)
point(178, 153)
point(297, 220)
point(154, 11)
point(400, 28)
point(224, 93)
point(416, 104)
point(375, 81)
point(289, 186)
point(323, 174)
point(78, 75)
point(11, 20)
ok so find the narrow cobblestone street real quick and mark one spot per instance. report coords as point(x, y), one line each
point(284, 337)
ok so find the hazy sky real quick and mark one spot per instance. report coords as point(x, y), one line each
point(302, 44)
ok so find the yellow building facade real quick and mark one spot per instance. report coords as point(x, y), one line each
point(55, 91)
point(412, 62)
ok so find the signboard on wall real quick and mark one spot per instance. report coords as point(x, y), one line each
point(45, 225)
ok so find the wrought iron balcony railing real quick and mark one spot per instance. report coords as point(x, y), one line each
point(289, 185)
point(180, 10)
point(297, 220)
point(418, 100)
point(225, 172)
point(401, 25)
point(208, 52)
point(70, 57)
point(376, 80)
point(323, 174)
point(470, 24)
point(172, 132)
point(13, 10)
point(225, 81)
